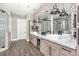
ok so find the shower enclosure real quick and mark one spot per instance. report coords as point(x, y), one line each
point(3, 28)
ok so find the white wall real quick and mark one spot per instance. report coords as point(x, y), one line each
point(14, 26)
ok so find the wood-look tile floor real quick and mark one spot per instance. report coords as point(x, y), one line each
point(21, 48)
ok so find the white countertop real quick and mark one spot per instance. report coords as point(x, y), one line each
point(65, 42)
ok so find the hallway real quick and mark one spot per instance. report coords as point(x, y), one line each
point(21, 48)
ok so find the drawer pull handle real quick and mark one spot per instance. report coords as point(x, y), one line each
point(66, 50)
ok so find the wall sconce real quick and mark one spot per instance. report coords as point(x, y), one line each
point(55, 10)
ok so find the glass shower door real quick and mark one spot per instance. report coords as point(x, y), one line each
point(2, 30)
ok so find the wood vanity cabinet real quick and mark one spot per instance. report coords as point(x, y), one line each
point(33, 40)
point(48, 48)
point(53, 48)
point(64, 51)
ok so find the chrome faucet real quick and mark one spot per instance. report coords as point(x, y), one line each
point(59, 32)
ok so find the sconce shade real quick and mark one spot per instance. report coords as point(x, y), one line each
point(63, 13)
point(55, 10)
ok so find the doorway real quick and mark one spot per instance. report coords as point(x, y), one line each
point(21, 29)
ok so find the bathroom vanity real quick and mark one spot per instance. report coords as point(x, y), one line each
point(51, 47)
point(57, 35)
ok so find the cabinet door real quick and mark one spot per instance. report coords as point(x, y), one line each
point(77, 51)
point(55, 51)
point(77, 41)
point(53, 48)
point(64, 51)
point(34, 40)
point(78, 35)
point(44, 48)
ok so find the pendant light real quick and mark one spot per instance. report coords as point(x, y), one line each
point(55, 10)
point(63, 12)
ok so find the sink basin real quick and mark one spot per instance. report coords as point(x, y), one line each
point(53, 36)
point(63, 37)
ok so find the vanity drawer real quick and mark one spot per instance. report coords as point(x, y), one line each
point(64, 51)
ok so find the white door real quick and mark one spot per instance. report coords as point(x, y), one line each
point(21, 29)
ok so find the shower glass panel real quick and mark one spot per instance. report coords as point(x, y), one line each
point(3, 28)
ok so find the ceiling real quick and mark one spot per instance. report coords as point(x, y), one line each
point(21, 9)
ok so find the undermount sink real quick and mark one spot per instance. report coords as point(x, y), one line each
point(63, 37)
point(53, 36)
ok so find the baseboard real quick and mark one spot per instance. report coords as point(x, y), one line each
point(3, 49)
point(19, 39)
point(14, 39)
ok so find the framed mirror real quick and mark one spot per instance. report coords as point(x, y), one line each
point(61, 24)
point(44, 26)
